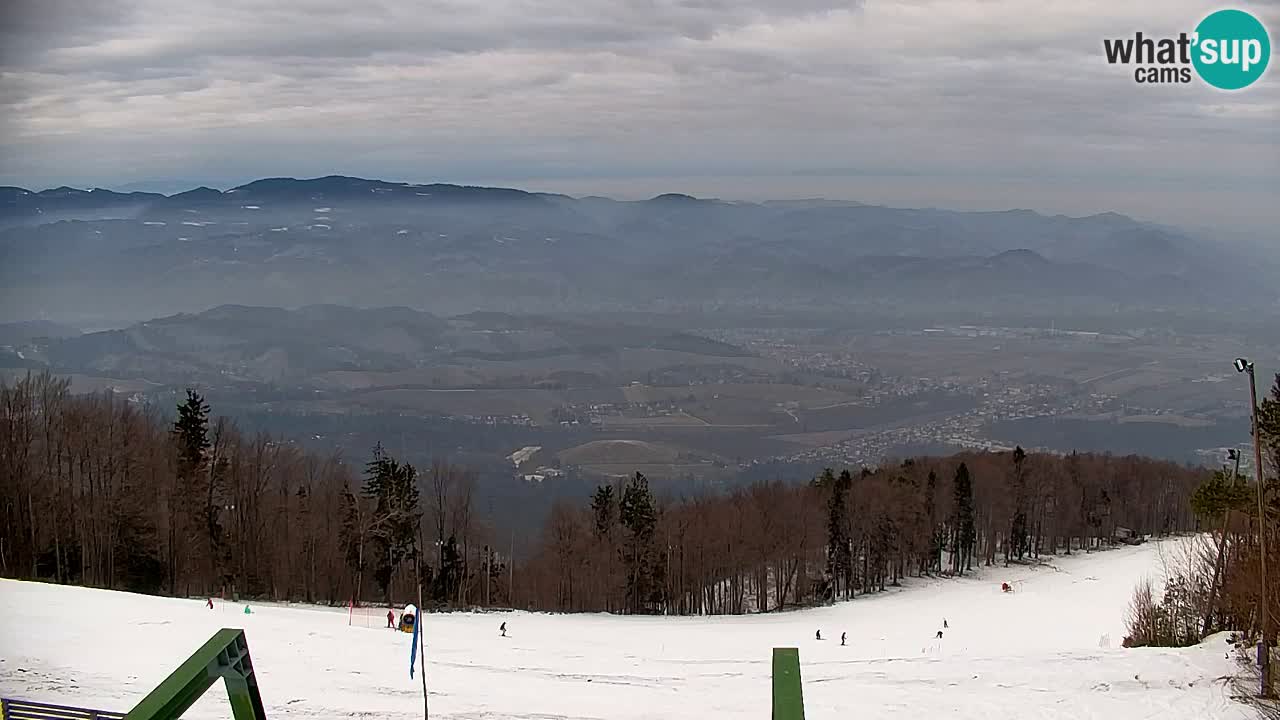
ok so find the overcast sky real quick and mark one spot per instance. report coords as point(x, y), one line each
point(952, 103)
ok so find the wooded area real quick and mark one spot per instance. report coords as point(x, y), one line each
point(98, 491)
point(774, 545)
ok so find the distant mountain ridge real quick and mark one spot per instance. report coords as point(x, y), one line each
point(268, 343)
point(20, 202)
point(453, 249)
point(17, 200)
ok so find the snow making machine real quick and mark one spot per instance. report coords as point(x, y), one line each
point(408, 618)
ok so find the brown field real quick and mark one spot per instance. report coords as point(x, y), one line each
point(599, 453)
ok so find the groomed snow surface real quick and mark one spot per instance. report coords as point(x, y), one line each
point(1038, 652)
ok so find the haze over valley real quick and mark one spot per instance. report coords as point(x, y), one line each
point(551, 341)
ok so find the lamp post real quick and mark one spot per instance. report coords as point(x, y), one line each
point(1219, 568)
point(1264, 648)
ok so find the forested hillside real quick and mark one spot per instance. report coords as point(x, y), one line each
point(98, 491)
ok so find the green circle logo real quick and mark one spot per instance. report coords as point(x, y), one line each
point(1232, 49)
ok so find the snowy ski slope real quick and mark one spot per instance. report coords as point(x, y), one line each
point(1035, 653)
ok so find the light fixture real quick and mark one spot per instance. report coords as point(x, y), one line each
point(1264, 647)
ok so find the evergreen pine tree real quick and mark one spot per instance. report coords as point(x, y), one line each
point(194, 491)
point(447, 582)
point(191, 433)
point(639, 519)
point(965, 531)
point(937, 529)
point(1016, 543)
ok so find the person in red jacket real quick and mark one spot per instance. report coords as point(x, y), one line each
point(210, 603)
point(391, 620)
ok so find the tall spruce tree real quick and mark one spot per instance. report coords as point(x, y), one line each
point(604, 509)
point(192, 492)
point(191, 433)
point(639, 519)
point(447, 582)
point(937, 528)
point(965, 532)
point(839, 570)
point(1016, 544)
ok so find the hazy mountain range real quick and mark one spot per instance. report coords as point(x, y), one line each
point(82, 257)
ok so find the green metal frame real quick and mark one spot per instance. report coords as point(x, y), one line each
point(225, 656)
point(788, 696)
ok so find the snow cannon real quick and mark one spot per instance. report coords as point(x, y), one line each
point(408, 618)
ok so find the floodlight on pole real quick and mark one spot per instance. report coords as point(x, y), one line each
point(1264, 646)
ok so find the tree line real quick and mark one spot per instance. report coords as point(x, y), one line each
point(774, 545)
point(96, 490)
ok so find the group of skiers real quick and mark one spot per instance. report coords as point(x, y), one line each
point(844, 636)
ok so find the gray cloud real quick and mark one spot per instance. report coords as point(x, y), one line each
point(993, 103)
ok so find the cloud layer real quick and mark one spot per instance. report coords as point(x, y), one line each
point(967, 103)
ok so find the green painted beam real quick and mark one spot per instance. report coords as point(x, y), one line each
point(788, 697)
point(225, 656)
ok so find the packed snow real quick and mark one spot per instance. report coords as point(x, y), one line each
point(1048, 650)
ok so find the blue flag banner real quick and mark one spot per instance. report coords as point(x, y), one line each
point(413, 651)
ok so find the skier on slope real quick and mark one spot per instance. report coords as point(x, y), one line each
point(391, 619)
point(503, 629)
point(842, 636)
point(818, 635)
point(944, 623)
point(210, 603)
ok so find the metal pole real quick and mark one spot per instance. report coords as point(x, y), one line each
point(422, 634)
point(1218, 569)
point(1262, 536)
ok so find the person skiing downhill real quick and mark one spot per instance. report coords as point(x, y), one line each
point(944, 623)
point(503, 628)
point(842, 638)
point(817, 635)
point(210, 603)
point(939, 635)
